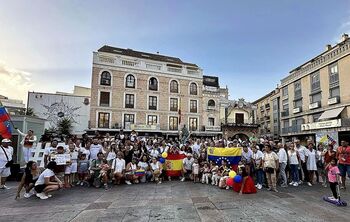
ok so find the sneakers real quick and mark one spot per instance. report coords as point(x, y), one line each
point(291, 183)
point(309, 184)
point(300, 182)
point(42, 196)
point(160, 182)
point(259, 186)
point(295, 184)
point(227, 188)
point(183, 179)
point(49, 195)
point(127, 182)
point(284, 185)
point(4, 187)
point(27, 195)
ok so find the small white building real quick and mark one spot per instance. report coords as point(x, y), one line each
point(53, 107)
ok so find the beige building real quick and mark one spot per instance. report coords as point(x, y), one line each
point(314, 99)
point(151, 93)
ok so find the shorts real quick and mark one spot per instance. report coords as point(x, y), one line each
point(40, 188)
point(343, 169)
point(73, 168)
point(5, 172)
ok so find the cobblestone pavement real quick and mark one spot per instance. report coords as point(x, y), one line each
point(173, 201)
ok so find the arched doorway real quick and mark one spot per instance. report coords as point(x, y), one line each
point(241, 136)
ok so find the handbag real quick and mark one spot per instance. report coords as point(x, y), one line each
point(9, 162)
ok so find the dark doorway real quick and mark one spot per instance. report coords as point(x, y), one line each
point(239, 118)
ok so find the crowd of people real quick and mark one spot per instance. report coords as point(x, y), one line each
point(101, 161)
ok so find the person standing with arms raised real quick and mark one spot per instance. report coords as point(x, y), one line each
point(27, 143)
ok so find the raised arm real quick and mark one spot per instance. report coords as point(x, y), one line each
point(21, 133)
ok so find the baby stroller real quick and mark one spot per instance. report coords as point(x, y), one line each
point(337, 201)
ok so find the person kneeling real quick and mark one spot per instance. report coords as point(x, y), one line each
point(44, 184)
point(246, 185)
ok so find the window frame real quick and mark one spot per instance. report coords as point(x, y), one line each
point(190, 125)
point(150, 86)
point(127, 81)
point(175, 123)
point(127, 105)
point(193, 109)
point(170, 104)
point(192, 88)
point(149, 102)
point(105, 78)
point(172, 86)
point(105, 125)
point(109, 99)
point(152, 116)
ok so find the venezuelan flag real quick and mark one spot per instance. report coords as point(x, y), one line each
point(231, 155)
point(174, 163)
point(5, 123)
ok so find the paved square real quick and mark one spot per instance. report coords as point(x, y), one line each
point(173, 201)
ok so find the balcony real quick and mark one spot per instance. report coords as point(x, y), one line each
point(291, 129)
point(334, 100)
point(240, 123)
point(285, 113)
point(315, 105)
point(213, 128)
point(267, 106)
point(211, 108)
point(129, 63)
point(261, 108)
point(173, 69)
point(297, 110)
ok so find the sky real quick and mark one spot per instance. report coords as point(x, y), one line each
point(47, 45)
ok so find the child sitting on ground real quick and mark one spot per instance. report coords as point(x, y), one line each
point(215, 174)
point(104, 168)
point(333, 173)
point(205, 173)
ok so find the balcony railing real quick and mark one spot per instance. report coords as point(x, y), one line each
point(172, 69)
point(291, 129)
point(213, 128)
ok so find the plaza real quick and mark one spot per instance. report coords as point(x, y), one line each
point(173, 201)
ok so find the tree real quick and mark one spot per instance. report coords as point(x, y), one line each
point(30, 112)
point(65, 126)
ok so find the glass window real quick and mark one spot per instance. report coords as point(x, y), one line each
point(174, 104)
point(174, 86)
point(103, 120)
point(333, 92)
point(298, 103)
point(105, 78)
point(129, 119)
point(333, 74)
point(315, 81)
point(152, 120)
point(152, 103)
point(173, 123)
point(153, 84)
point(316, 116)
point(297, 89)
point(130, 81)
point(193, 89)
point(211, 121)
point(285, 91)
point(193, 106)
point(193, 124)
point(129, 100)
point(104, 98)
point(211, 103)
point(315, 98)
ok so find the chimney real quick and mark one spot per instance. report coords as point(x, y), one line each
point(344, 37)
point(328, 47)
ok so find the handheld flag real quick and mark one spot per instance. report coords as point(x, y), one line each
point(5, 123)
point(231, 155)
point(174, 163)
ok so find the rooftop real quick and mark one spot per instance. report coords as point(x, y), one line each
point(144, 55)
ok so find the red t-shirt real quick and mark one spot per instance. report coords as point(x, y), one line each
point(344, 155)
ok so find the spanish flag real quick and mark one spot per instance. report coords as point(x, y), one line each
point(231, 155)
point(174, 164)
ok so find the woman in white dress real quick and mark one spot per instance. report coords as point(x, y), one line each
point(311, 166)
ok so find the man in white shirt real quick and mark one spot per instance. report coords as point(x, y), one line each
point(187, 167)
point(302, 154)
point(95, 148)
point(257, 159)
point(196, 147)
point(6, 152)
point(118, 167)
point(283, 159)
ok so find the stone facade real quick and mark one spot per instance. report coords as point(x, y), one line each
point(146, 89)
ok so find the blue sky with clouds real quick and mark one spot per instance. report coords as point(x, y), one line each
point(47, 45)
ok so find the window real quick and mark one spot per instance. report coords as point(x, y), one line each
point(152, 120)
point(315, 98)
point(129, 100)
point(298, 103)
point(105, 78)
point(297, 89)
point(174, 104)
point(333, 92)
point(285, 123)
point(103, 120)
point(193, 89)
point(211, 121)
point(285, 91)
point(193, 106)
point(239, 118)
point(315, 81)
point(333, 75)
point(193, 124)
point(152, 103)
point(174, 86)
point(315, 117)
point(211, 103)
point(104, 98)
point(153, 84)
point(129, 119)
point(130, 81)
point(173, 123)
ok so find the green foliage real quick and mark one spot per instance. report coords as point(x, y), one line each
point(30, 112)
point(64, 126)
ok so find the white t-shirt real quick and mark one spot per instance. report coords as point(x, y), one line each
point(188, 163)
point(94, 150)
point(143, 165)
point(49, 150)
point(196, 148)
point(293, 157)
point(302, 152)
point(111, 155)
point(3, 159)
point(258, 157)
point(155, 166)
point(47, 173)
point(118, 165)
point(282, 156)
point(247, 155)
point(74, 156)
point(270, 160)
point(154, 153)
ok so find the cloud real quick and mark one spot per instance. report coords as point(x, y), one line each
point(14, 83)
